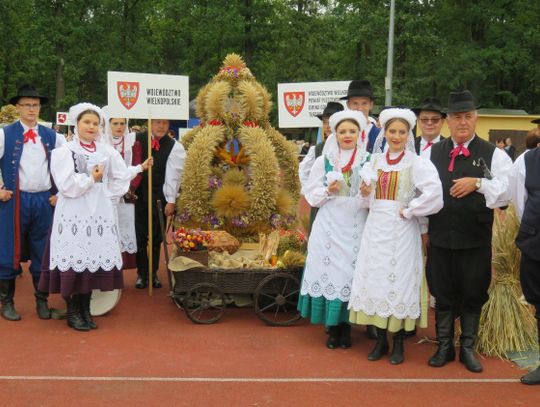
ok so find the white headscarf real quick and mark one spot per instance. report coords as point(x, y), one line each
point(129, 138)
point(394, 113)
point(76, 110)
point(331, 148)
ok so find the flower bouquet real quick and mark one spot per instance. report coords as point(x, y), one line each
point(193, 243)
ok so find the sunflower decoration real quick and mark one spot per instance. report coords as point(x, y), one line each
point(240, 173)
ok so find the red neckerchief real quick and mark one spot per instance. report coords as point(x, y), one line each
point(348, 167)
point(460, 148)
point(155, 144)
point(30, 135)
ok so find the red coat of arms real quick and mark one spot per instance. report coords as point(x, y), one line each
point(294, 102)
point(61, 119)
point(128, 93)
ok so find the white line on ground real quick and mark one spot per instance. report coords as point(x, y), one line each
point(251, 380)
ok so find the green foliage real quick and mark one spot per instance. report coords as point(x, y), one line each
point(66, 47)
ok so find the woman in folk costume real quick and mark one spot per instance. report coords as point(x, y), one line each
point(84, 248)
point(333, 187)
point(399, 187)
point(117, 134)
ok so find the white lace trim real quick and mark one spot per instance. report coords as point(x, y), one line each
point(384, 308)
point(324, 287)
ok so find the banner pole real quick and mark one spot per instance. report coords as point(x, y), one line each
point(150, 230)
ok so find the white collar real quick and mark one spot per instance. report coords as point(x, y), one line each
point(466, 144)
point(435, 140)
point(26, 128)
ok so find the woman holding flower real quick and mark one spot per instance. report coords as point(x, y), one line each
point(333, 187)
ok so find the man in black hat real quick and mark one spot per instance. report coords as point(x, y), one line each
point(360, 97)
point(430, 122)
point(315, 151)
point(169, 156)
point(525, 191)
point(474, 175)
point(25, 199)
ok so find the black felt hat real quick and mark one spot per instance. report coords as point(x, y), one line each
point(359, 89)
point(463, 101)
point(330, 109)
point(28, 91)
point(431, 105)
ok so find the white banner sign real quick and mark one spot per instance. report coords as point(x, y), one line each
point(142, 96)
point(299, 103)
point(62, 119)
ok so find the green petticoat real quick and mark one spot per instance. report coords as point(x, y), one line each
point(319, 310)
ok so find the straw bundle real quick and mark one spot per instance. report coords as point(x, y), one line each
point(507, 323)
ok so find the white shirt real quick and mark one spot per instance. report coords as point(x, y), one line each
point(495, 190)
point(173, 172)
point(517, 191)
point(34, 173)
point(423, 144)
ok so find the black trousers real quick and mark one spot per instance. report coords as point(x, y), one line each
point(141, 231)
point(459, 279)
point(529, 275)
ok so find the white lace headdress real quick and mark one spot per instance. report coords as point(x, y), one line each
point(393, 113)
point(76, 110)
point(331, 148)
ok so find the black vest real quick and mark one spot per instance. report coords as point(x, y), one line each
point(158, 169)
point(463, 223)
point(319, 148)
point(528, 238)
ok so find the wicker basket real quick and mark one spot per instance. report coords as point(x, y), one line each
point(198, 255)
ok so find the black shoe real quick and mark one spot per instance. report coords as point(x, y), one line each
point(7, 292)
point(155, 282)
point(85, 310)
point(345, 336)
point(333, 337)
point(532, 378)
point(371, 331)
point(74, 319)
point(444, 326)
point(397, 357)
point(469, 329)
point(42, 306)
point(141, 283)
point(381, 347)
point(409, 334)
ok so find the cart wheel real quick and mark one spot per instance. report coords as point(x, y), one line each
point(276, 298)
point(177, 299)
point(204, 303)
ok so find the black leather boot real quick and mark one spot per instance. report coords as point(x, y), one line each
point(397, 357)
point(345, 335)
point(42, 306)
point(533, 377)
point(155, 281)
point(333, 337)
point(85, 310)
point(381, 346)
point(371, 331)
point(7, 292)
point(142, 279)
point(469, 329)
point(444, 326)
point(74, 319)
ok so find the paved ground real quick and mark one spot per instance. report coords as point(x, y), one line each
point(147, 353)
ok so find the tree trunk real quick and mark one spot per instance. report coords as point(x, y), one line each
point(248, 41)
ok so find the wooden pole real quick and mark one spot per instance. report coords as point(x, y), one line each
point(150, 230)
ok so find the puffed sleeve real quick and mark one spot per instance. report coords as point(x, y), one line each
point(315, 190)
point(173, 172)
point(426, 181)
point(119, 175)
point(60, 140)
point(69, 183)
point(305, 167)
point(495, 190)
point(516, 185)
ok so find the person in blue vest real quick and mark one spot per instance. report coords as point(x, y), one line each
point(474, 175)
point(525, 192)
point(25, 199)
point(360, 98)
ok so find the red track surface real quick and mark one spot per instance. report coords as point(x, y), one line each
point(147, 338)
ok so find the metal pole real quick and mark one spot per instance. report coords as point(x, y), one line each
point(390, 60)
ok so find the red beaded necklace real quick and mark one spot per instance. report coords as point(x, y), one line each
point(91, 148)
point(396, 160)
point(348, 167)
